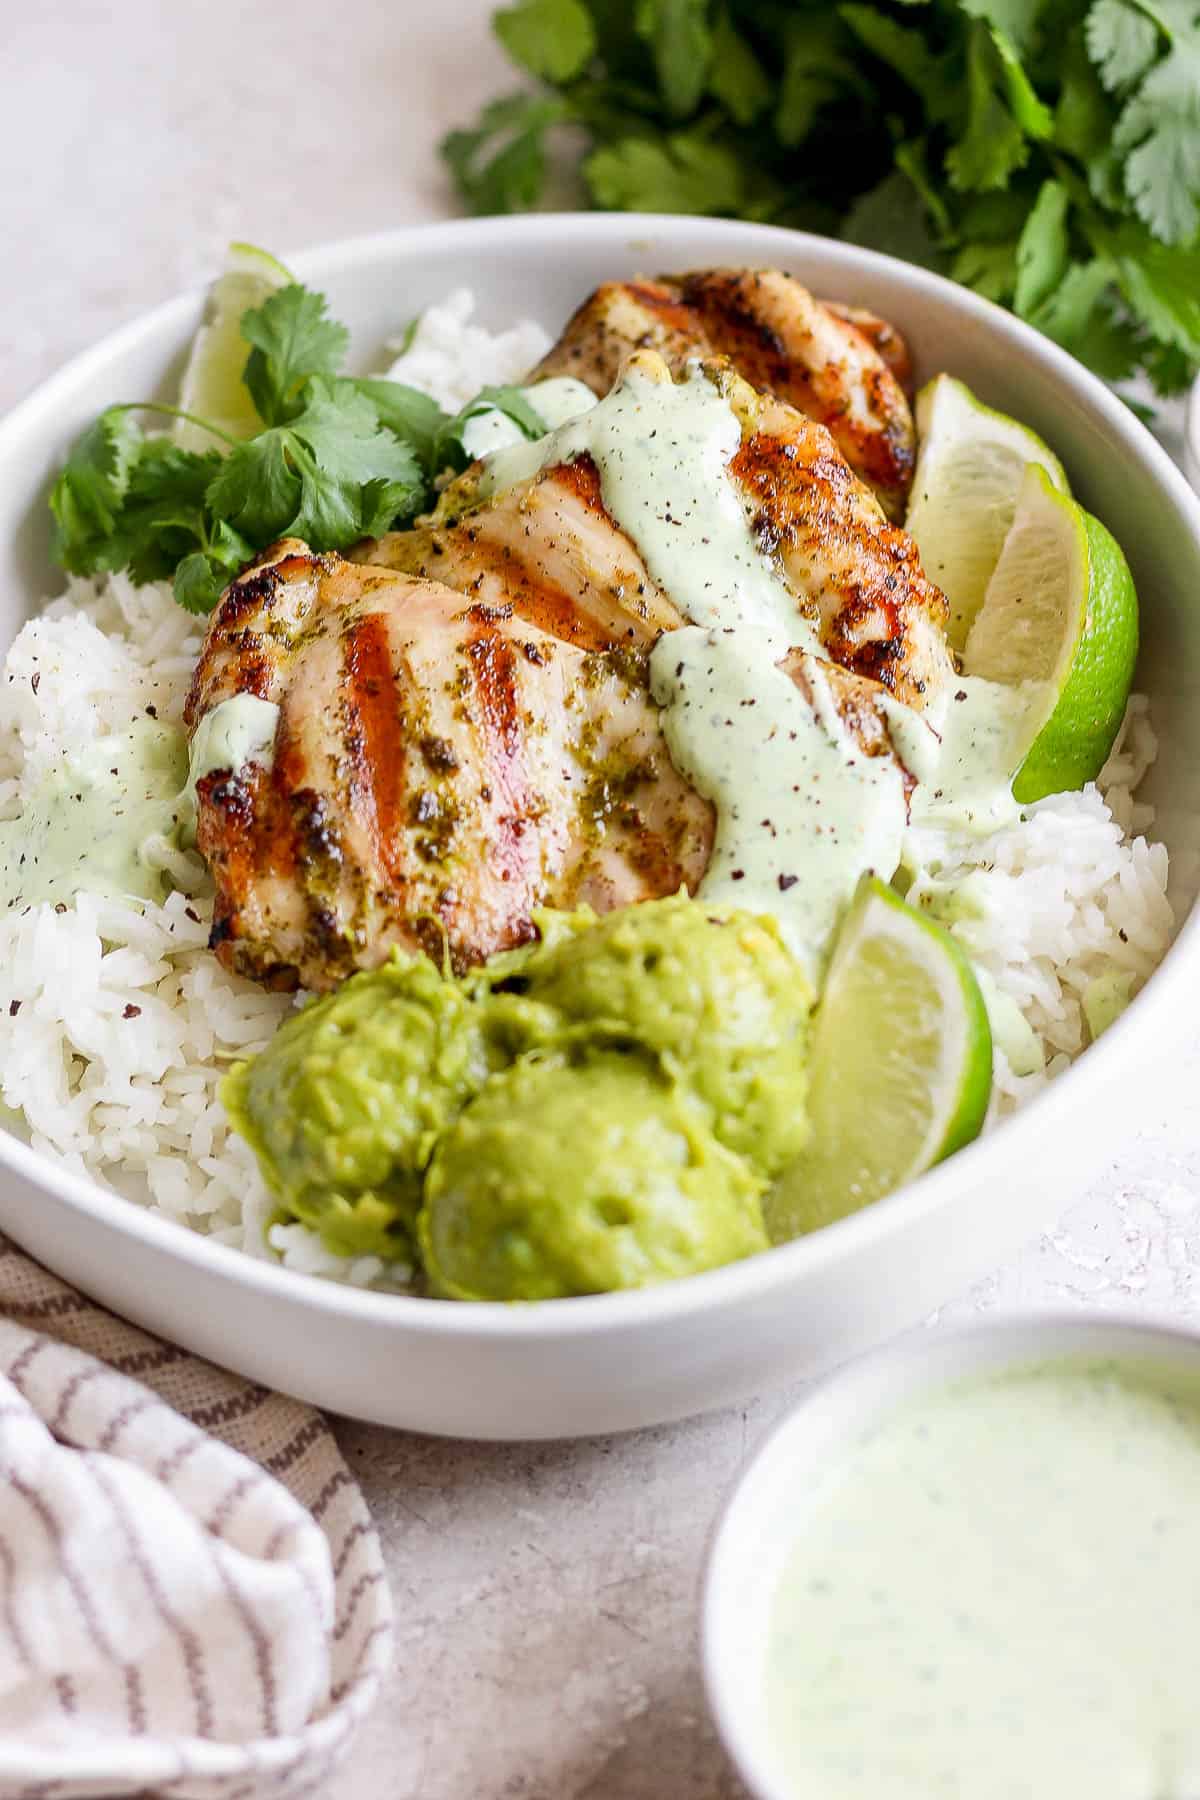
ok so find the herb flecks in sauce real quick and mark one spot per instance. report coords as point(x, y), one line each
point(103, 818)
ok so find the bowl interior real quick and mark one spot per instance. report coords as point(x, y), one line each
point(763, 1520)
point(541, 267)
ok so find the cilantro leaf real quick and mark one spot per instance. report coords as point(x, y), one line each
point(163, 517)
point(307, 478)
point(1003, 140)
point(1160, 283)
point(903, 49)
point(681, 45)
point(198, 584)
point(1016, 19)
point(293, 338)
point(1043, 249)
point(892, 218)
point(500, 164)
point(343, 457)
point(1031, 113)
point(408, 413)
point(736, 78)
point(817, 71)
point(1121, 41)
point(1170, 369)
point(88, 495)
point(1084, 115)
point(1160, 131)
point(551, 38)
point(990, 269)
point(993, 144)
point(681, 174)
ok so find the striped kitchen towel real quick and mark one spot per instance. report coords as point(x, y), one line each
point(192, 1597)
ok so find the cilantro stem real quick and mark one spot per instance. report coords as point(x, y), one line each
point(174, 412)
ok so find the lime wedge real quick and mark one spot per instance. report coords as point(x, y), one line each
point(964, 494)
point(212, 382)
point(901, 1064)
point(1059, 620)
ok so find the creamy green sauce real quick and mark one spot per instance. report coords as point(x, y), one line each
point(985, 728)
point(555, 400)
point(997, 1597)
point(662, 450)
point(237, 731)
point(110, 817)
point(801, 812)
point(105, 818)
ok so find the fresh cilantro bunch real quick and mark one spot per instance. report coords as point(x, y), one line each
point(338, 458)
point(1044, 152)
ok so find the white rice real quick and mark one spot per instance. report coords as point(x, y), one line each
point(117, 1023)
point(448, 357)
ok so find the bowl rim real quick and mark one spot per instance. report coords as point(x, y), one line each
point(1145, 1026)
point(920, 1362)
point(1191, 434)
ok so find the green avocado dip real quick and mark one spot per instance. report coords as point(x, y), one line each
point(601, 1109)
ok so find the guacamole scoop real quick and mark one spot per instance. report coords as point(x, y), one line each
point(715, 996)
point(577, 1177)
point(651, 1063)
point(345, 1105)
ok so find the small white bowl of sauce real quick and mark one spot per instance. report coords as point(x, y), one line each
point(969, 1566)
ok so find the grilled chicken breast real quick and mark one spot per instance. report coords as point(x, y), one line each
point(442, 766)
point(550, 549)
point(465, 730)
point(840, 366)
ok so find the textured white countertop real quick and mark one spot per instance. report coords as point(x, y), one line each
point(545, 1595)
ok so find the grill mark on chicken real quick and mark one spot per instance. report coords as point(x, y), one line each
point(581, 479)
point(437, 769)
point(879, 614)
point(472, 738)
point(856, 579)
point(502, 736)
point(840, 366)
point(882, 337)
point(548, 550)
point(374, 737)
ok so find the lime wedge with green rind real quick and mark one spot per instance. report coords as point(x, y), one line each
point(901, 1064)
point(1060, 619)
point(969, 470)
point(212, 384)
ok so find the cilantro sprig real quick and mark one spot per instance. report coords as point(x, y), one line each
point(1043, 152)
point(338, 458)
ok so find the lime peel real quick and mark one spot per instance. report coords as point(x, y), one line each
point(1060, 619)
point(212, 385)
point(901, 1064)
point(968, 475)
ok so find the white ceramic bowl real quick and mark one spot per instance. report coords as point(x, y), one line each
point(617, 1361)
point(763, 1520)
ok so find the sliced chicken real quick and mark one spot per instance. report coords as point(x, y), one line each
point(838, 365)
point(549, 550)
point(441, 768)
point(549, 547)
